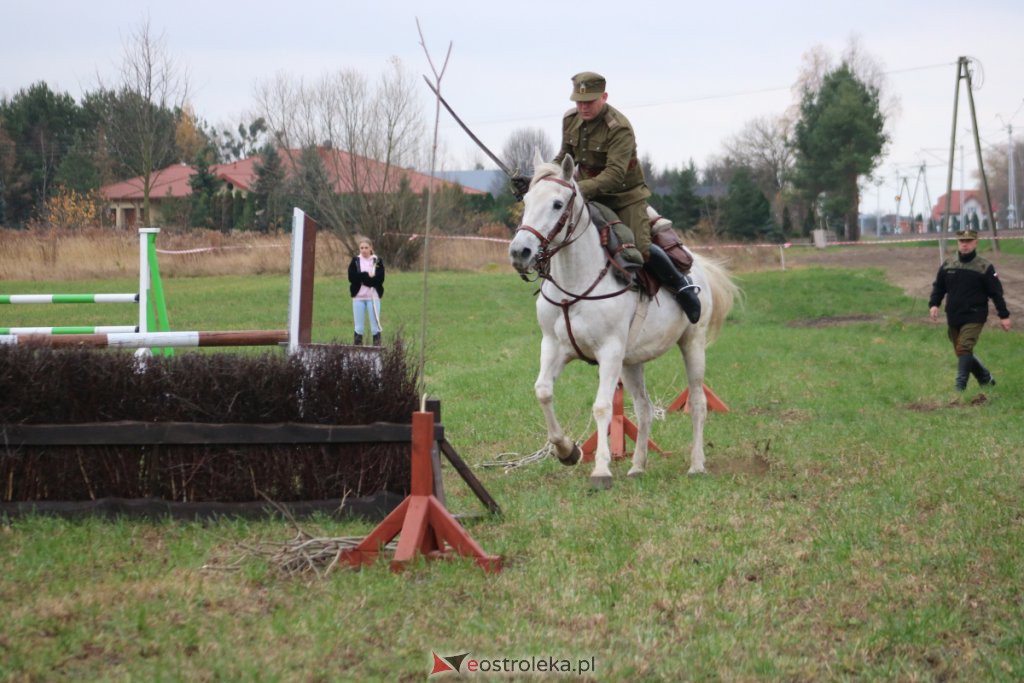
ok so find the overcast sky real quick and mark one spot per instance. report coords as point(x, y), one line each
point(688, 75)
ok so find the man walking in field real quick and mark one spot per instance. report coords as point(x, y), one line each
point(968, 281)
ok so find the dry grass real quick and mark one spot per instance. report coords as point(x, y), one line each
point(106, 253)
point(103, 254)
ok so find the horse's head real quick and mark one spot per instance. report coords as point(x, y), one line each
point(551, 210)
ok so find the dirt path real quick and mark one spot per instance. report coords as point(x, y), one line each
point(913, 270)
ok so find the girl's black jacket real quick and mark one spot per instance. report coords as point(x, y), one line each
point(357, 278)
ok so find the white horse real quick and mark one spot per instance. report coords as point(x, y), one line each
point(584, 312)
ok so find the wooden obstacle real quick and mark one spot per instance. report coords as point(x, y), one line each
point(139, 340)
point(421, 521)
point(682, 402)
point(618, 429)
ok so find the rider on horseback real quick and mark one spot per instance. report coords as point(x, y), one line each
point(602, 142)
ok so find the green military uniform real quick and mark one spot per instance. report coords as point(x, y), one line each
point(605, 149)
point(967, 282)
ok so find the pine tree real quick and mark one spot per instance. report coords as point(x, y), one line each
point(747, 211)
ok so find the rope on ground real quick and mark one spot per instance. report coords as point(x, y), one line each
point(506, 460)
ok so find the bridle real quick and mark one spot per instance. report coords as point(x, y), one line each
point(545, 252)
point(543, 261)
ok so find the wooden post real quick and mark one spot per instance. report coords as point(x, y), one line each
point(422, 523)
point(682, 402)
point(618, 429)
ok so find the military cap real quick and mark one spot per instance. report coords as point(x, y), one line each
point(587, 86)
point(967, 235)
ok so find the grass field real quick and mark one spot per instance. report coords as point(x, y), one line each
point(859, 520)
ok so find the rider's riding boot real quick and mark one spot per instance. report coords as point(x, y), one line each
point(982, 374)
point(682, 286)
point(358, 340)
point(376, 339)
point(963, 370)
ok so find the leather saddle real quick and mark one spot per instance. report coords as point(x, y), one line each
point(627, 262)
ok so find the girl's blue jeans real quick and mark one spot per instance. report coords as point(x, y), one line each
point(362, 308)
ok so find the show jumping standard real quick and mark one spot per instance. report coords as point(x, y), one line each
point(584, 312)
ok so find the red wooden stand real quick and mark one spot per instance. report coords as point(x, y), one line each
point(421, 519)
point(682, 402)
point(619, 428)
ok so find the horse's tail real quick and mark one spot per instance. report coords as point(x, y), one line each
point(724, 292)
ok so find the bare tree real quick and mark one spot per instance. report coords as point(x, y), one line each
point(141, 116)
point(818, 61)
point(763, 146)
point(998, 172)
point(518, 150)
point(379, 127)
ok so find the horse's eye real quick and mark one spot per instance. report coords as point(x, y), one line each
point(558, 205)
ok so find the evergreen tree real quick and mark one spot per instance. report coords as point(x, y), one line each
point(43, 126)
point(681, 205)
point(269, 191)
point(747, 211)
point(838, 137)
point(204, 186)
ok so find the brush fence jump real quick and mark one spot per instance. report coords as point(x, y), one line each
point(148, 275)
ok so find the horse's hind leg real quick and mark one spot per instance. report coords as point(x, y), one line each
point(552, 362)
point(633, 379)
point(692, 345)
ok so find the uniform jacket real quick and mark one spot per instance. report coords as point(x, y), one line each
point(968, 282)
point(605, 149)
point(357, 278)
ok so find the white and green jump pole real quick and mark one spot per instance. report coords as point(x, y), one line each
point(152, 306)
point(300, 307)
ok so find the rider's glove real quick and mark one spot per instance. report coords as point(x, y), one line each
point(520, 185)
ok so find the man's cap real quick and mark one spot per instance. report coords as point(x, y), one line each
point(967, 235)
point(587, 87)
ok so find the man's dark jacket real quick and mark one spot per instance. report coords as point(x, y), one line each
point(968, 281)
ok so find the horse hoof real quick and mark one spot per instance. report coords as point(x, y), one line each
point(573, 457)
point(603, 483)
point(695, 472)
point(636, 474)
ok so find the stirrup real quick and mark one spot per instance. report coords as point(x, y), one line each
point(690, 284)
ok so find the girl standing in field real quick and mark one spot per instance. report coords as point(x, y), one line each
point(366, 284)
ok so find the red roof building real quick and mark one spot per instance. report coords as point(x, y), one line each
point(974, 202)
point(351, 174)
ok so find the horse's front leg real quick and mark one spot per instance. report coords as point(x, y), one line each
point(552, 362)
point(608, 371)
point(633, 379)
point(692, 347)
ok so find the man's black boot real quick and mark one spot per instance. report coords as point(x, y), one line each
point(358, 340)
point(682, 286)
point(963, 370)
point(982, 374)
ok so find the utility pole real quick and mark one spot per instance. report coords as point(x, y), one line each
point(963, 72)
point(1011, 204)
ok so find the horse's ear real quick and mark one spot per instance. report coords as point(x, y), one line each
point(568, 167)
point(538, 160)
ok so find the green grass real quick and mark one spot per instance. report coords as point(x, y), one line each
point(1013, 245)
point(859, 521)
